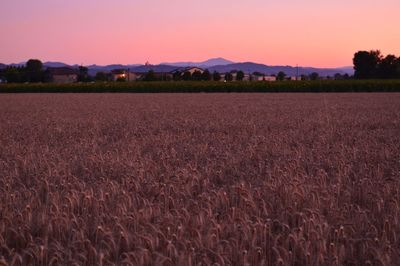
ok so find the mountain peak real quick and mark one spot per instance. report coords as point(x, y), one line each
point(219, 61)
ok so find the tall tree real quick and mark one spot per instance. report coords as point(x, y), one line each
point(101, 76)
point(240, 75)
point(13, 75)
point(206, 76)
point(216, 76)
point(150, 76)
point(187, 76)
point(177, 75)
point(366, 64)
point(388, 67)
point(281, 76)
point(314, 76)
point(398, 69)
point(196, 75)
point(83, 74)
point(34, 65)
point(228, 77)
point(34, 70)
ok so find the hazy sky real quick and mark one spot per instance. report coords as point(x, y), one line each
point(322, 33)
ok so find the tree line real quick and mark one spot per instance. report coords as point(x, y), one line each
point(206, 75)
point(367, 65)
point(33, 71)
point(374, 65)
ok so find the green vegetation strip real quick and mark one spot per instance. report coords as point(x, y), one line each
point(203, 86)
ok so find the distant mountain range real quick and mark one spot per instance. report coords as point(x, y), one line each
point(249, 67)
point(205, 64)
point(215, 64)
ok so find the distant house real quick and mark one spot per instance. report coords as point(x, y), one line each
point(257, 78)
point(270, 78)
point(62, 74)
point(164, 76)
point(188, 69)
point(247, 77)
point(192, 70)
point(124, 74)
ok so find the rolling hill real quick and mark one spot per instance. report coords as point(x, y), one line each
point(249, 67)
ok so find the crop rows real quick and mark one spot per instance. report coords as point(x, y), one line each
point(199, 179)
point(209, 86)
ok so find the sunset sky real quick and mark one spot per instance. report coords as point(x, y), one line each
point(285, 32)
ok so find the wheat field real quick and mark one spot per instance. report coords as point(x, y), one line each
point(200, 179)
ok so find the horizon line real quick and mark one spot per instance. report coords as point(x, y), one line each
point(176, 62)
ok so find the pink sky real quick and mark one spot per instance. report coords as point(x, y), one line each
point(286, 32)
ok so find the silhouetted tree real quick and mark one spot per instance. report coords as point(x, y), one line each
point(314, 76)
point(187, 76)
point(281, 76)
point(388, 66)
point(34, 65)
point(34, 70)
point(216, 76)
point(177, 75)
point(373, 64)
point(197, 75)
point(150, 76)
point(13, 75)
point(101, 76)
point(206, 76)
point(398, 69)
point(256, 73)
point(366, 64)
point(83, 74)
point(240, 75)
point(228, 77)
point(165, 77)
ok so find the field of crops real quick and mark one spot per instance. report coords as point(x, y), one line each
point(200, 179)
point(211, 86)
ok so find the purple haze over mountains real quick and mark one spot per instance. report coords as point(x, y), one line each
point(215, 64)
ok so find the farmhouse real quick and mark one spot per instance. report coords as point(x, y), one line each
point(257, 78)
point(247, 77)
point(270, 78)
point(123, 74)
point(192, 70)
point(62, 74)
